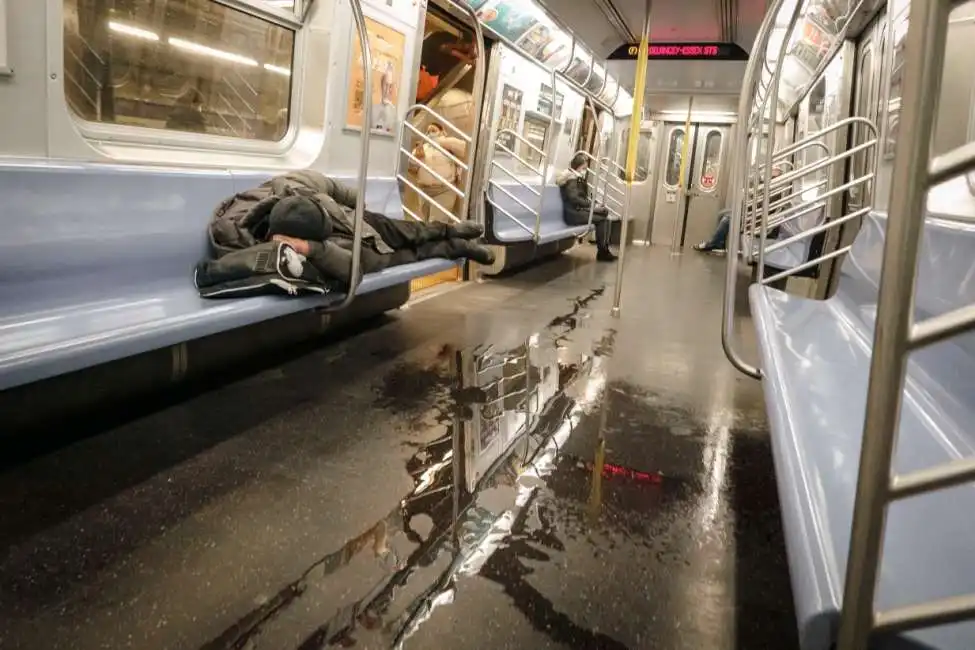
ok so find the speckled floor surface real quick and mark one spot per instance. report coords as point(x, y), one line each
point(501, 466)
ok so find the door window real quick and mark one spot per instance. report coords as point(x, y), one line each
point(710, 162)
point(863, 161)
point(675, 152)
point(896, 86)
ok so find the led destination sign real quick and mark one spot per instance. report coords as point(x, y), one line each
point(682, 51)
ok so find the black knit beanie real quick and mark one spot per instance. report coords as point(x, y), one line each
point(299, 217)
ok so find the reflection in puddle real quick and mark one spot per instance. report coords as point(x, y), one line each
point(512, 412)
point(481, 503)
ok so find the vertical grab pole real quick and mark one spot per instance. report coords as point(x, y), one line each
point(773, 96)
point(480, 70)
point(599, 164)
point(552, 135)
point(639, 90)
point(738, 176)
point(360, 199)
point(675, 243)
point(924, 61)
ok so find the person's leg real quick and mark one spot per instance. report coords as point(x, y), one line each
point(719, 238)
point(446, 200)
point(603, 231)
point(409, 233)
point(455, 249)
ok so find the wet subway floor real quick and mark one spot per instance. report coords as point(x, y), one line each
point(502, 466)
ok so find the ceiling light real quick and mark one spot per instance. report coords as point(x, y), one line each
point(190, 46)
point(276, 68)
point(129, 30)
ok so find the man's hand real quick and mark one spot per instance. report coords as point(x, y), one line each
point(300, 245)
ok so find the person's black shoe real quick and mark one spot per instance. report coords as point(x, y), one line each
point(464, 230)
point(471, 251)
point(605, 255)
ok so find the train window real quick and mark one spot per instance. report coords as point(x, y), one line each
point(896, 86)
point(536, 133)
point(675, 152)
point(711, 162)
point(182, 65)
point(863, 160)
point(643, 152)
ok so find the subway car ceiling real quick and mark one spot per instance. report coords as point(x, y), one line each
point(607, 23)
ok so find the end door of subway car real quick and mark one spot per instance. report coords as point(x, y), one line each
point(685, 210)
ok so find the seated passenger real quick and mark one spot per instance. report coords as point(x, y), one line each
point(719, 240)
point(576, 204)
point(315, 215)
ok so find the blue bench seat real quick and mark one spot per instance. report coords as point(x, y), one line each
point(552, 226)
point(816, 358)
point(96, 264)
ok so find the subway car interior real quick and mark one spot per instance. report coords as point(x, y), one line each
point(475, 324)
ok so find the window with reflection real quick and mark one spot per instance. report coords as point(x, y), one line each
point(710, 162)
point(642, 157)
point(675, 152)
point(535, 132)
point(643, 153)
point(896, 86)
point(194, 66)
point(863, 161)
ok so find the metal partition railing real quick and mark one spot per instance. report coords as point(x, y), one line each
point(463, 166)
point(896, 335)
point(805, 208)
point(756, 186)
point(541, 172)
point(612, 183)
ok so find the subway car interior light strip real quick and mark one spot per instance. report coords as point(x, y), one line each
point(196, 48)
point(129, 30)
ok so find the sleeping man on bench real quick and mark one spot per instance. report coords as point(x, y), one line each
point(261, 239)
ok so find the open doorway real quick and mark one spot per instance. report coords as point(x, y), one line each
point(445, 84)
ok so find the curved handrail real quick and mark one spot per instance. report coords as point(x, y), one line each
point(773, 95)
point(360, 199)
point(738, 178)
point(782, 153)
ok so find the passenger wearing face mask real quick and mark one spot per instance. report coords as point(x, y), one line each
point(440, 158)
point(576, 204)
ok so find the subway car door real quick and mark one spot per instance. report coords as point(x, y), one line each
point(689, 213)
point(704, 188)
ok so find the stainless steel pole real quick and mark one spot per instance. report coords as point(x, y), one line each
point(924, 62)
point(744, 114)
point(639, 92)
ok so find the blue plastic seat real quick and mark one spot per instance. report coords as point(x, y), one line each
point(552, 224)
point(816, 357)
point(96, 264)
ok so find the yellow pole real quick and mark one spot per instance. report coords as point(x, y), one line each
point(639, 91)
point(682, 183)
